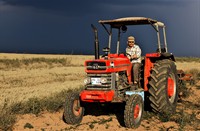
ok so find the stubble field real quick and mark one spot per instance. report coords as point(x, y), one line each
point(24, 76)
point(27, 76)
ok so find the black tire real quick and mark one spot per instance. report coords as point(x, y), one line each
point(133, 111)
point(163, 87)
point(73, 112)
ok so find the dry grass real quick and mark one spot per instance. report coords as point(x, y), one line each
point(188, 63)
point(75, 59)
point(33, 78)
point(187, 66)
point(32, 83)
point(40, 75)
point(20, 84)
point(188, 59)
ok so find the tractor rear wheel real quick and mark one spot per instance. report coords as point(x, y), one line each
point(163, 87)
point(73, 112)
point(133, 111)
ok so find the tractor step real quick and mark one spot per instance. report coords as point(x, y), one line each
point(139, 92)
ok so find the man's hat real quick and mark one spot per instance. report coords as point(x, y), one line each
point(131, 38)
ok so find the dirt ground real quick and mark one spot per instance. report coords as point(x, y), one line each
point(100, 122)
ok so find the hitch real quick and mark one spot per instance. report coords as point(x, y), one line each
point(185, 77)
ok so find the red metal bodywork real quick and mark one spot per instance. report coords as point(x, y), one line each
point(121, 63)
point(97, 96)
point(149, 63)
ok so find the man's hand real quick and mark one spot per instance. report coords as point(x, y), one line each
point(134, 57)
point(129, 56)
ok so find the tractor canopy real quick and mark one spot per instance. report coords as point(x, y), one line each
point(117, 23)
point(121, 24)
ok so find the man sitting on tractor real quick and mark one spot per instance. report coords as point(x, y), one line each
point(133, 52)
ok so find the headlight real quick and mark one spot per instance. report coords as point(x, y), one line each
point(103, 80)
point(87, 80)
point(112, 64)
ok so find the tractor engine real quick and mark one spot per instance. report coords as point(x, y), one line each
point(115, 81)
point(107, 75)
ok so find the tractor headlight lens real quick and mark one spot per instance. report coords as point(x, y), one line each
point(103, 80)
point(112, 64)
point(87, 80)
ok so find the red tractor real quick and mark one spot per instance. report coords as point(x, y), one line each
point(109, 78)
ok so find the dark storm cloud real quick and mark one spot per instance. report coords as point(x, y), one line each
point(60, 26)
point(74, 7)
point(54, 5)
point(77, 8)
point(105, 8)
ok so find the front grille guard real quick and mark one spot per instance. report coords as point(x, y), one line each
point(103, 86)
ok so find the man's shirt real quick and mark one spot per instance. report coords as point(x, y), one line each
point(135, 50)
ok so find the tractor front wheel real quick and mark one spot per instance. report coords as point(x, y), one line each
point(73, 112)
point(133, 111)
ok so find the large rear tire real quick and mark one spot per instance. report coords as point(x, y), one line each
point(163, 87)
point(73, 112)
point(133, 111)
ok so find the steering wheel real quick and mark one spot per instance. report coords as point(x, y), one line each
point(127, 54)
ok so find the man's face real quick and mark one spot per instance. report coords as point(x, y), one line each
point(131, 43)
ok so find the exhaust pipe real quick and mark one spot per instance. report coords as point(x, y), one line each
point(96, 42)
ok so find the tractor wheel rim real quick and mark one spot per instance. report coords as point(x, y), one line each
point(136, 111)
point(171, 88)
point(76, 108)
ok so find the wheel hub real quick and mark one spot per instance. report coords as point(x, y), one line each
point(170, 87)
point(76, 108)
point(136, 111)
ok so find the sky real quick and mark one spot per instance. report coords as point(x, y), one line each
point(64, 26)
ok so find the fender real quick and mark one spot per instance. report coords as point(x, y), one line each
point(150, 59)
point(167, 56)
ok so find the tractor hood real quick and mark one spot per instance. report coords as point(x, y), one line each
point(109, 64)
